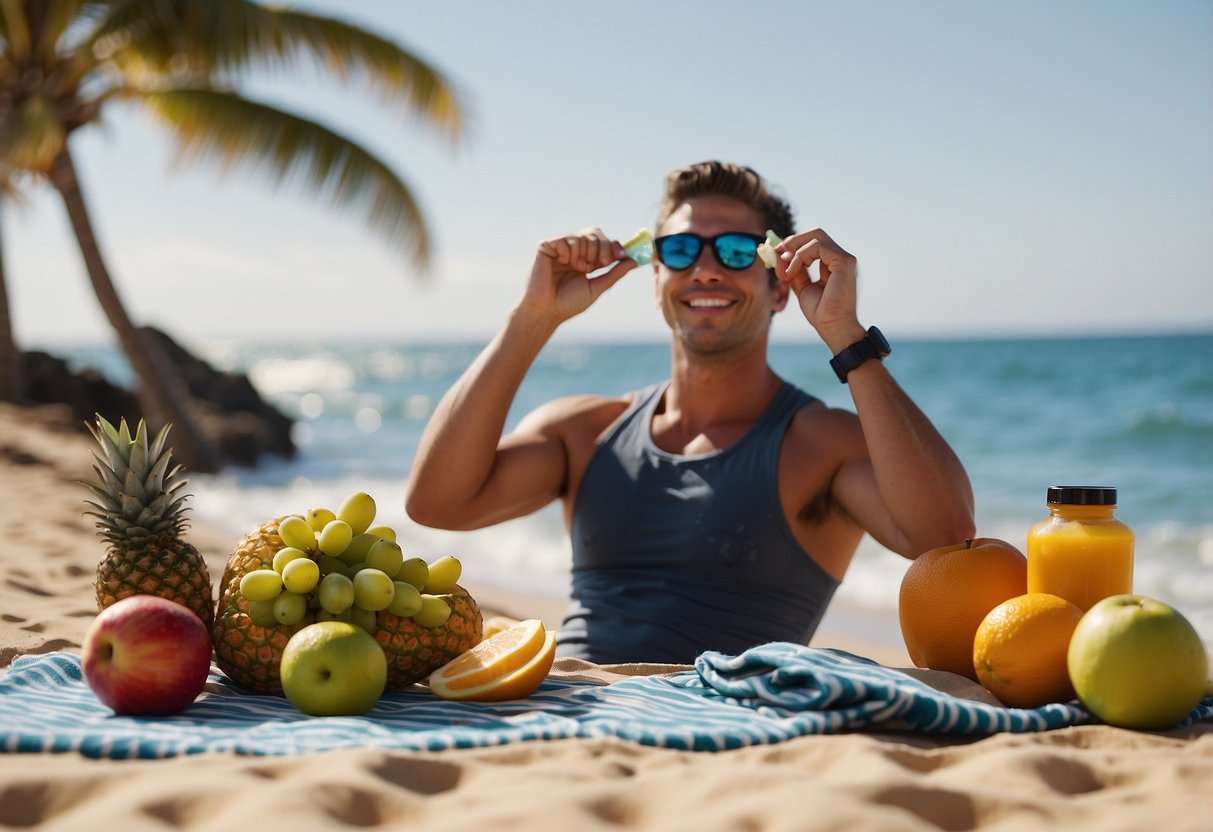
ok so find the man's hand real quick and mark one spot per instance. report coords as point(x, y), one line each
point(828, 303)
point(560, 284)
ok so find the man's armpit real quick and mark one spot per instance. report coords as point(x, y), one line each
point(823, 507)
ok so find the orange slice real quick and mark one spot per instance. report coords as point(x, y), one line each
point(495, 624)
point(508, 665)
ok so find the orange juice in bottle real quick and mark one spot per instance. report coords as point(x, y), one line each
point(1081, 552)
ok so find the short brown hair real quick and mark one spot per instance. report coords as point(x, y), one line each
point(741, 183)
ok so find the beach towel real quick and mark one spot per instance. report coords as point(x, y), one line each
point(767, 694)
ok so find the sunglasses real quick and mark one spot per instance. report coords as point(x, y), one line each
point(734, 250)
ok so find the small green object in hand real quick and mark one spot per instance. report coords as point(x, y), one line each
point(640, 247)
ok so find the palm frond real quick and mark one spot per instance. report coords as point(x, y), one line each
point(32, 31)
point(199, 38)
point(162, 37)
point(14, 31)
point(56, 18)
point(235, 131)
point(31, 136)
point(348, 50)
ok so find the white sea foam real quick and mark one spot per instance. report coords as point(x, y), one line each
point(275, 376)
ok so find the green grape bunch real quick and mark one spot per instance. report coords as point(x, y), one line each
point(339, 566)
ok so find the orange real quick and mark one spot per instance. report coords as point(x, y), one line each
point(510, 664)
point(946, 593)
point(495, 624)
point(1020, 649)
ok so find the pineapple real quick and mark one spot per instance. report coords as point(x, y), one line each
point(140, 513)
point(246, 653)
point(414, 652)
point(250, 655)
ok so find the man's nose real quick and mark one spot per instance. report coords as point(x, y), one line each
point(705, 268)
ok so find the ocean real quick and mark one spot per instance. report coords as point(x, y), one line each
point(1022, 414)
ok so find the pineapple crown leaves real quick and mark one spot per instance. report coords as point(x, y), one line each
point(138, 496)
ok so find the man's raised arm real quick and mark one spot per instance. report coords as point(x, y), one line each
point(904, 484)
point(465, 474)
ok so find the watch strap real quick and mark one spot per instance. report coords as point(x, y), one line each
point(872, 345)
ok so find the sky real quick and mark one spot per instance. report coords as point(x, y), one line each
point(1033, 168)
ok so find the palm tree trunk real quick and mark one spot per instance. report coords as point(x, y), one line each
point(12, 370)
point(162, 395)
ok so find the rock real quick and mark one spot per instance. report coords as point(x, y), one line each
point(48, 380)
point(231, 413)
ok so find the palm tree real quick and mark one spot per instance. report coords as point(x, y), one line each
point(62, 62)
point(12, 380)
point(12, 370)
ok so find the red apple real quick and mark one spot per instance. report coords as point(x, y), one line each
point(146, 656)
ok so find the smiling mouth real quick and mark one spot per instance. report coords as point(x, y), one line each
point(708, 303)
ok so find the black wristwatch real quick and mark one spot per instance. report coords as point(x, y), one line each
point(873, 345)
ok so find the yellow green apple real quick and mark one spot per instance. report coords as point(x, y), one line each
point(332, 668)
point(1136, 662)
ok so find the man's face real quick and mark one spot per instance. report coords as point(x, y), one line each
point(710, 308)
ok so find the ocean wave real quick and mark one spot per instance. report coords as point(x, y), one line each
point(1170, 422)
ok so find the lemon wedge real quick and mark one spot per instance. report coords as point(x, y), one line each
point(510, 664)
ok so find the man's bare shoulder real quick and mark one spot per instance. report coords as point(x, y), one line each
point(821, 426)
point(585, 411)
point(818, 443)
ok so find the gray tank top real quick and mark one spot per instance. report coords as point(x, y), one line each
point(674, 555)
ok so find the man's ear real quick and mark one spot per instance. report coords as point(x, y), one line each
point(781, 291)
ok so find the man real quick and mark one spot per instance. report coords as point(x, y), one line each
point(720, 509)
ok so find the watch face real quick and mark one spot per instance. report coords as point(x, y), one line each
point(879, 341)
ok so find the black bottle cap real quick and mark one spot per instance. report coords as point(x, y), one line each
point(1081, 495)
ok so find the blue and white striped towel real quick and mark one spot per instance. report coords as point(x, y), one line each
point(765, 695)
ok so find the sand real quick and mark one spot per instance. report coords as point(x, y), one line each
point(1090, 777)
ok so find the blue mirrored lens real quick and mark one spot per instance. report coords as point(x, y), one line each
point(678, 251)
point(736, 251)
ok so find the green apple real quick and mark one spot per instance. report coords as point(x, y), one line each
point(332, 668)
point(1136, 662)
